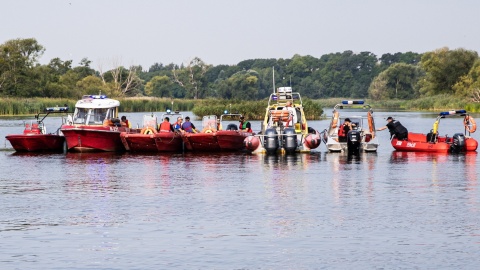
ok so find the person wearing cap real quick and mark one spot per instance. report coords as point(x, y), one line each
point(395, 128)
point(178, 124)
point(188, 126)
point(245, 125)
point(344, 129)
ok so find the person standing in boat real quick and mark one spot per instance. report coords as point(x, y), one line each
point(395, 128)
point(245, 125)
point(165, 126)
point(188, 126)
point(292, 115)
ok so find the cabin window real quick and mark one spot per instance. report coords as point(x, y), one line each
point(97, 116)
point(80, 115)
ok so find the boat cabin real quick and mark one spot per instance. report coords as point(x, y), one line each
point(95, 110)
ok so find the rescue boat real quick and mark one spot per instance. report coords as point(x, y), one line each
point(35, 137)
point(284, 129)
point(214, 137)
point(433, 142)
point(95, 125)
point(362, 135)
point(148, 139)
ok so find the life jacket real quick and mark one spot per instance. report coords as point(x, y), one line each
point(165, 127)
point(187, 126)
point(244, 126)
point(341, 130)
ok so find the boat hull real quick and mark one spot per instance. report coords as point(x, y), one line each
point(36, 142)
point(201, 142)
point(93, 138)
point(417, 142)
point(159, 142)
point(231, 140)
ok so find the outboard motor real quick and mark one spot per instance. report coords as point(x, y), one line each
point(271, 140)
point(232, 127)
point(353, 141)
point(458, 143)
point(290, 142)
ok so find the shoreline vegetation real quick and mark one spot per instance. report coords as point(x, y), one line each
point(253, 110)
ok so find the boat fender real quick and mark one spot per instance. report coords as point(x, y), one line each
point(470, 124)
point(148, 130)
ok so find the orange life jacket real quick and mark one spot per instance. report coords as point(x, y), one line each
point(165, 127)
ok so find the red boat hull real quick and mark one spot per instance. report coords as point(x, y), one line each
point(36, 142)
point(418, 142)
point(231, 140)
point(93, 138)
point(202, 142)
point(223, 140)
point(159, 142)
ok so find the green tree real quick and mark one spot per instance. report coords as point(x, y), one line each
point(192, 78)
point(444, 68)
point(17, 58)
point(397, 81)
point(159, 86)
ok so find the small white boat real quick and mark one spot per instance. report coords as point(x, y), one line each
point(362, 135)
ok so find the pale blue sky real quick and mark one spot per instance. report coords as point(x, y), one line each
point(143, 32)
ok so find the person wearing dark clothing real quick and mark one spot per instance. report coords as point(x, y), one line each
point(395, 128)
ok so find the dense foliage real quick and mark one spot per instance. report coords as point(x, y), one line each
point(347, 74)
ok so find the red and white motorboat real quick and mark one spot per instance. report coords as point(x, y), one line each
point(95, 125)
point(432, 142)
point(148, 139)
point(35, 137)
point(214, 138)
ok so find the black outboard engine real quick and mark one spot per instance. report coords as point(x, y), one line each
point(232, 127)
point(353, 141)
point(458, 143)
point(270, 142)
point(290, 141)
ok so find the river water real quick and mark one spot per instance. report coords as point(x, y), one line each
point(386, 210)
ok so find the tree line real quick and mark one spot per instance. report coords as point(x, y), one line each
point(344, 74)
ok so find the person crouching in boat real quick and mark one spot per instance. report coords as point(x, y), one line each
point(245, 125)
point(395, 128)
point(188, 126)
point(165, 126)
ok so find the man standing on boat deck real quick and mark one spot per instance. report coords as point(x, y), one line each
point(395, 128)
point(291, 116)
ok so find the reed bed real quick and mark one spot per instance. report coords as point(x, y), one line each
point(31, 106)
point(253, 110)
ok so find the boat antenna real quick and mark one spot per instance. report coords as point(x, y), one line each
point(273, 68)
